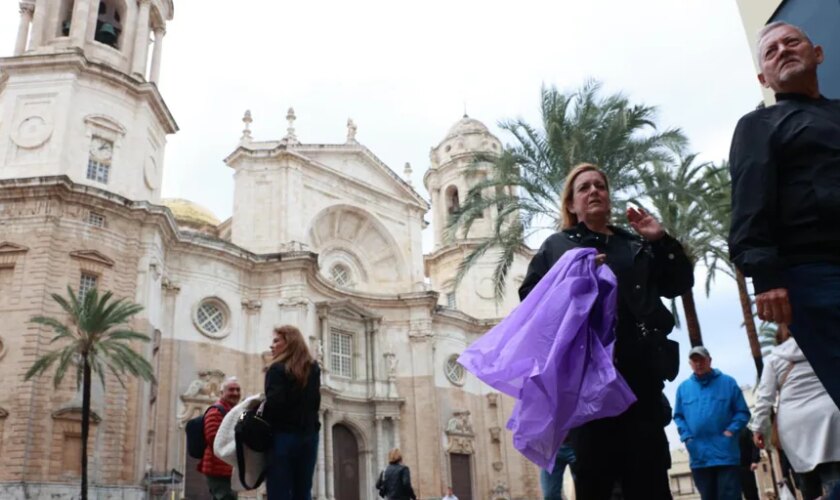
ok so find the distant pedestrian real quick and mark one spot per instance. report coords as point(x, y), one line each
point(395, 481)
point(709, 412)
point(214, 469)
point(552, 482)
point(449, 495)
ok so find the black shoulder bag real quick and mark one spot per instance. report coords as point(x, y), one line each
point(254, 432)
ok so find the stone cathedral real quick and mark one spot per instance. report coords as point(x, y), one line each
point(323, 236)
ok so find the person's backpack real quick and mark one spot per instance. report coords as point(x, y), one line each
point(195, 432)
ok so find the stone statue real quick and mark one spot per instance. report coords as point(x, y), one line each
point(351, 130)
point(391, 363)
point(460, 423)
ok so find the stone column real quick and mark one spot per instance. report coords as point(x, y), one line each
point(396, 425)
point(380, 461)
point(39, 21)
point(321, 476)
point(79, 23)
point(26, 11)
point(155, 73)
point(141, 40)
point(328, 455)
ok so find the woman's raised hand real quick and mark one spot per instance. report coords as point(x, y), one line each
point(645, 224)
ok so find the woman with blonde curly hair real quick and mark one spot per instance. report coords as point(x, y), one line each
point(293, 397)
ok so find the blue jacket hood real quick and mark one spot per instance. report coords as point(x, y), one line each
point(707, 378)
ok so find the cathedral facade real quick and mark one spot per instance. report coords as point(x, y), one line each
point(323, 236)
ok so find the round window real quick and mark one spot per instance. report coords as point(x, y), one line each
point(341, 276)
point(455, 373)
point(211, 318)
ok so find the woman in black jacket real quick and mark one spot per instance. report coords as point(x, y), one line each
point(630, 449)
point(292, 400)
point(395, 481)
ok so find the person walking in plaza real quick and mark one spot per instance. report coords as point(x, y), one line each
point(807, 420)
point(630, 449)
point(214, 469)
point(395, 481)
point(552, 482)
point(449, 494)
point(785, 167)
point(292, 401)
point(710, 411)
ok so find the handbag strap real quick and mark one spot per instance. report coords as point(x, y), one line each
point(240, 463)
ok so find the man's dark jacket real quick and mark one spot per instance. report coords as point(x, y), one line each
point(785, 166)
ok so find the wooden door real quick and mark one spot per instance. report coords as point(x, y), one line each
point(345, 464)
point(459, 466)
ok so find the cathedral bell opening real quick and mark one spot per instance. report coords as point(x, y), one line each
point(109, 23)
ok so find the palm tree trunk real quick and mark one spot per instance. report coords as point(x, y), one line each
point(749, 322)
point(691, 321)
point(85, 423)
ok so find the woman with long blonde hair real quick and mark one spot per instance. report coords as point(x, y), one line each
point(293, 397)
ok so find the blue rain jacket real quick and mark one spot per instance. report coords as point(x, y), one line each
point(705, 407)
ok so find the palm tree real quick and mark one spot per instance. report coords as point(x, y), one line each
point(676, 191)
point(719, 189)
point(96, 338)
point(524, 183)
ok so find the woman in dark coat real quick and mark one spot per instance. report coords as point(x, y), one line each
point(395, 481)
point(630, 449)
point(293, 397)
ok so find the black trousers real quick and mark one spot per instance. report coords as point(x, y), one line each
point(630, 450)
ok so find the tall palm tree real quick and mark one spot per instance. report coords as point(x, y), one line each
point(96, 338)
point(719, 189)
point(524, 183)
point(676, 192)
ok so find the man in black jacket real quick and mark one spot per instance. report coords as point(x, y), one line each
point(785, 166)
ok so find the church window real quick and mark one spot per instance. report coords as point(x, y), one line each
point(87, 282)
point(99, 159)
point(453, 370)
point(341, 276)
point(341, 353)
point(109, 23)
point(453, 203)
point(211, 317)
point(450, 300)
point(95, 219)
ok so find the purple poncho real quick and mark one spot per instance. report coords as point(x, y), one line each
point(554, 353)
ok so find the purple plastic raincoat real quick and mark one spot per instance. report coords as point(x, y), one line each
point(554, 354)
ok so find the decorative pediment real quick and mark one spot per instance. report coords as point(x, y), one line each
point(92, 260)
point(74, 414)
point(9, 253)
point(105, 122)
point(346, 309)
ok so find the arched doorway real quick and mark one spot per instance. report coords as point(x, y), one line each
point(345, 463)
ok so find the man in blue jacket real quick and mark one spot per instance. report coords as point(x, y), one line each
point(709, 411)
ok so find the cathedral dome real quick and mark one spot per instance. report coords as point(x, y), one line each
point(466, 126)
point(191, 215)
point(465, 139)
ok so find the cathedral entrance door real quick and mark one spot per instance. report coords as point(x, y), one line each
point(459, 465)
point(345, 464)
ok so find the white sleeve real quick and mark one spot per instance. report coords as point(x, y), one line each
point(765, 396)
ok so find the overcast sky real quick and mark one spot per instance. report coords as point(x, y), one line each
point(404, 71)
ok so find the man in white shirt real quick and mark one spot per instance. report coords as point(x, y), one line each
point(449, 495)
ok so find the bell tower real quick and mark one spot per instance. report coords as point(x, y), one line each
point(79, 95)
point(458, 163)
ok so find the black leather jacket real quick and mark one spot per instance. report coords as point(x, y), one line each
point(660, 269)
point(642, 354)
point(395, 483)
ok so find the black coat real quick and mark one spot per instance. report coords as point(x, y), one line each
point(288, 406)
point(659, 269)
point(395, 483)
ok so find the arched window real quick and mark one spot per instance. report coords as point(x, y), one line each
point(109, 23)
point(453, 202)
point(65, 15)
